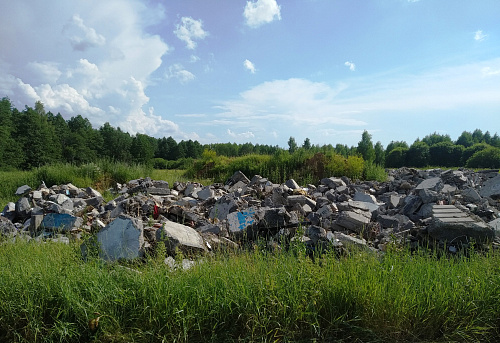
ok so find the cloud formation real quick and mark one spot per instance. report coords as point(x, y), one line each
point(100, 67)
point(241, 135)
point(261, 12)
point(190, 30)
point(249, 65)
point(81, 36)
point(350, 65)
point(479, 35)
point(178, 72)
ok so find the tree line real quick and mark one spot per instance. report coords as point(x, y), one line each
point(33, 138)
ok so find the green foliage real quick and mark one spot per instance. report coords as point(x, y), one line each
point(395, 144)
point(374, 172)
point(365, 147)
point(418, 155)
point(465, 139)
point(470, 151)
point(379, 154)
point(487, 158)
point(445, 154)
point(396, 158)
point(436, 138)
point(292, 145)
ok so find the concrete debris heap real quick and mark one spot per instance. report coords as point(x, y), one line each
point(451, 208)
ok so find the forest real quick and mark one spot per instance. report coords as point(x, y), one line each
point(33, 137)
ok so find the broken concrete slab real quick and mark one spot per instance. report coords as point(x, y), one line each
point(178, 236)
point(454, 226)
point(223, 206)
point(123, 238)
point(491, 188)
point(434, 184)
point(352, 221)
point(23, 190)
point(239, 222)
point(60, 222)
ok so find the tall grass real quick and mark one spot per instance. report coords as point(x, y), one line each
point(303, 166)
point(49, 294)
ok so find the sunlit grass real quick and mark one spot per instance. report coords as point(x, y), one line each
point(48, 293)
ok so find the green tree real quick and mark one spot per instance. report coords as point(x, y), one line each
point(487, 158)
point(418, 155)
point(307, 144)
point(396, 158)
point(292, 145)
point(10, 150)
point(115, 143)
point(379, 154)
point(435, 138)
point(142, 148)
point(395, 144)
point(37, 137)
point(446, 154)
point(470, 151)
point(465, 139)
point(495, 141)
point(477, 136)
point(365, 147)
point(85, 142)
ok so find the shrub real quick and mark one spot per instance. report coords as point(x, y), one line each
point(487, 158)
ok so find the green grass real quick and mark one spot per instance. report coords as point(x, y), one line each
point(101, 176)
point(48, 294)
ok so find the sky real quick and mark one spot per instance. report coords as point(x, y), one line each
point(258, 71)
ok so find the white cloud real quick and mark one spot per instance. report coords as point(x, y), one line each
point(178, 72)
point(138, 121)
point(488, 71)
point(194, 59)
point(295, 101)
point(479, 35)
point(242, 135)
point(249, 65)
point(189, 30)
point(67, 98)
point(45, 71)
point(97, 63)
point(314, 108)
point(261, 12)
point(352, 66)
point(81, 36)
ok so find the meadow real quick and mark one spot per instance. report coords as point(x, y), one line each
point(49, 294)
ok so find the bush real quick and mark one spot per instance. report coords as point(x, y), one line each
point(374, 172)
point(487, 158)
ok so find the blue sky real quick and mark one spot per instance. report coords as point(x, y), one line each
point(259, 71)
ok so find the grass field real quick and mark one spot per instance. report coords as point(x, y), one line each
point(49, 294)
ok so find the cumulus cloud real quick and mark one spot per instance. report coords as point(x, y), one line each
point(261, 12)
point(242, 135)
point(479, 35)
point(81, 36)
point(350, 65)
point(249, 65)
point(98, 64)
point(45, 71)
point(190, 30)
point(178, 72)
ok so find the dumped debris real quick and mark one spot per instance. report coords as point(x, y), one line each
point(415, 207)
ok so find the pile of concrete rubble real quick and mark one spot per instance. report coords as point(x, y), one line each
point(450, 208)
